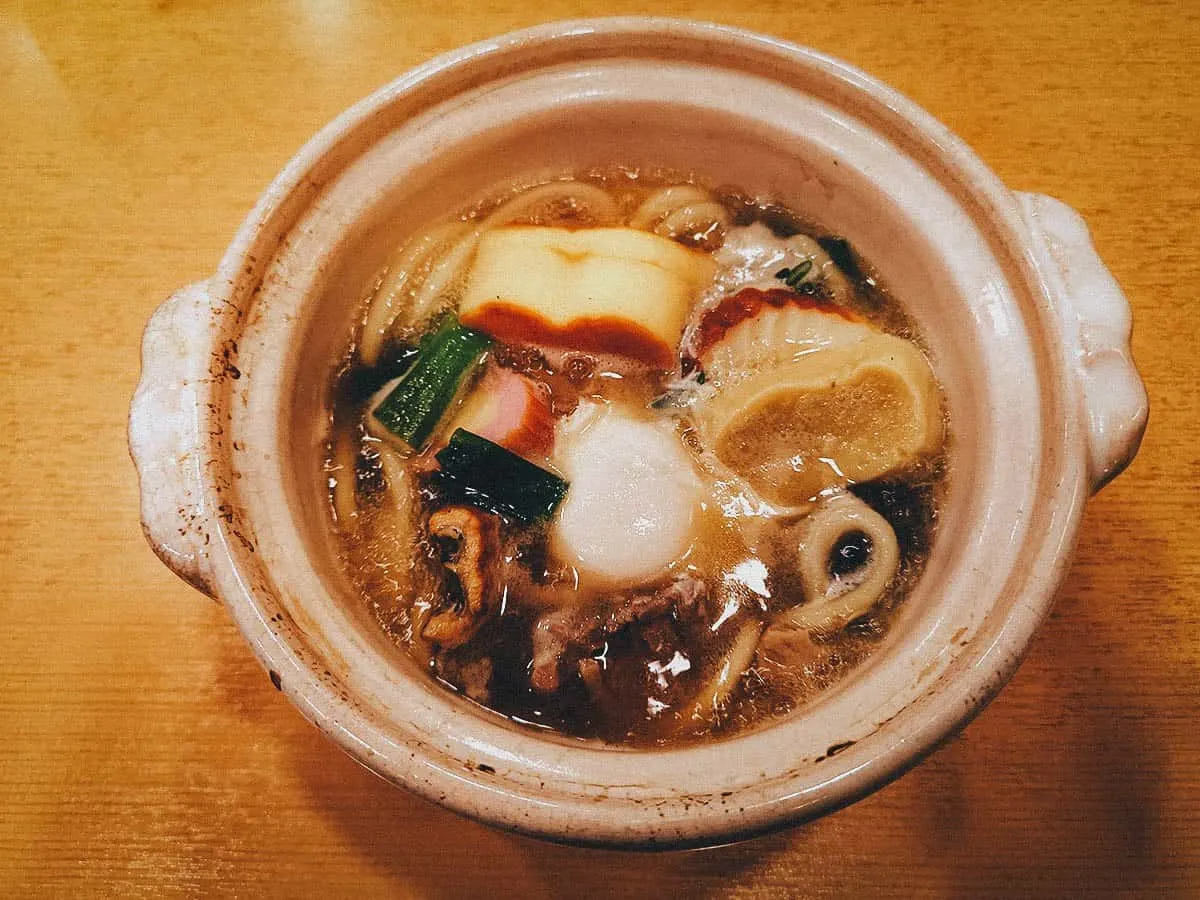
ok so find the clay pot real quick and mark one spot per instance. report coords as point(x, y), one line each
point(1028, 333)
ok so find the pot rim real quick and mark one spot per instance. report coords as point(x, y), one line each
point(859, 769)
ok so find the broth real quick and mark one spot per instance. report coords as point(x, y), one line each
point(628, 458)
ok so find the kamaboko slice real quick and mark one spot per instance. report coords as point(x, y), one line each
point(755, 331)
point(843, 411)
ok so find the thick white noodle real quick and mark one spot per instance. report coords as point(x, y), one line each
point(694, 219)
point(737, 659)
point(443, 274)
point(598, 203)
point(403, 510)
point(345, 480)
point(399, 482)
point(665, 201)
point(345, 505)
point(833, 602)
point(388, 300)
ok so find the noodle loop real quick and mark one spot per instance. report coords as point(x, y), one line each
point(834, 596)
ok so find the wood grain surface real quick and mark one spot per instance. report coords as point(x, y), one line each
point(143, 751)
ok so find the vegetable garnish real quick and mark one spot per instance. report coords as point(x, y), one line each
point(476, 472)
point(445, 361)
point(794, 276)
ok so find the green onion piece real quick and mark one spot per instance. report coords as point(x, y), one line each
point(794, 276)
point(800, 272)
point(446, 359)
point(477, 472)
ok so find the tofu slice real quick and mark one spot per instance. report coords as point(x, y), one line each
point(602, 290)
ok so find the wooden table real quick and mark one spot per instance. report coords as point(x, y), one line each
point(144, 752)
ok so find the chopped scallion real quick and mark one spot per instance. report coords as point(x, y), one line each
point(794, 276)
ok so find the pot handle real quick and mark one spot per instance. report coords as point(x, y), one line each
point(1097, 321)
point(165, 438)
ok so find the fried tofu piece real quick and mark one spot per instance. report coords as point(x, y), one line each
point(601, 290)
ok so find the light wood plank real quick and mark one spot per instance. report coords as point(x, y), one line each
point(144, 752)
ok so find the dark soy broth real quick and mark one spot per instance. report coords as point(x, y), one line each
point(623, 525)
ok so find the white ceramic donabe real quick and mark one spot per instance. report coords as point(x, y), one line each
point(1028, 331)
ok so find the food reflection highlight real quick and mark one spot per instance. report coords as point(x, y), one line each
point(628, 458)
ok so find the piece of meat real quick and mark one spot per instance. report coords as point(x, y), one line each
point(591, 673)
point(472, 676)
point(476, 566)
point(564, 637)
